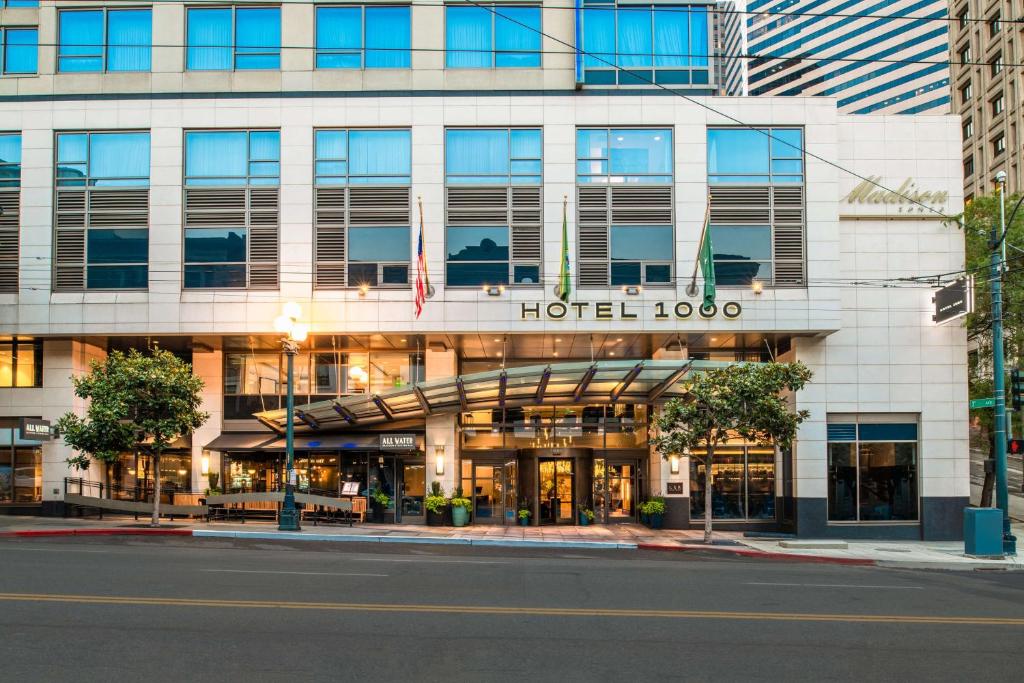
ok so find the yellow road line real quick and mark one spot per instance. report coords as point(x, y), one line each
point(511, 611)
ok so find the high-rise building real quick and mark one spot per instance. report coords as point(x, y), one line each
point(728, 38)
point(986, 93)
point(177, 173)
point(847, 49)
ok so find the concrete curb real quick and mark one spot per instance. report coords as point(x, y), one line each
point(95, 532)
point(423, 540)
point(750, 552)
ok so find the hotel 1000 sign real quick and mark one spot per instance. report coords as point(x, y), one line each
point(622, 310)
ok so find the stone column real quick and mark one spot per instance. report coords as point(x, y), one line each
point(210, 366)
point(441, 428)
point(677, 505)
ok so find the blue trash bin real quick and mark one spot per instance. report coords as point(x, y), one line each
point(983, 532)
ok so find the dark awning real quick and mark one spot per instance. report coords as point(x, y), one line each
point(604, 381)
point(266, 441)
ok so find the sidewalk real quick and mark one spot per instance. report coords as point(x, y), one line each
point(907, 554)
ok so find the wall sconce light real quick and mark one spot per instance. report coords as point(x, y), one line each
point(494, 290)
point(363, 289)
point(673, 464)
point(204, 463)
point(632, 290)
point(757, 286)
point(439, 459)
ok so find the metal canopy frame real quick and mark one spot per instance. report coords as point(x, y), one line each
point(603, 381)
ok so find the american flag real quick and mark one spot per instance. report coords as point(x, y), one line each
point(422, 278)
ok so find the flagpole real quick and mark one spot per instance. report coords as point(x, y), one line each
point(423, 247)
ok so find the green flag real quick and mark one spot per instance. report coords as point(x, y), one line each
point(564, 281)
point(707, 264)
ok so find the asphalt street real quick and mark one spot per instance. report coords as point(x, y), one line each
point(175, 609)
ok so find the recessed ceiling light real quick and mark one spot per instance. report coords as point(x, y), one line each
point(611, 353)
point(496, 339)
point(619, 339)
point(403, 340)
point(556, 353)
point(714, 339)
point(558, 339)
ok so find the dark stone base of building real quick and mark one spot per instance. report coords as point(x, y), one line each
point(941, 520)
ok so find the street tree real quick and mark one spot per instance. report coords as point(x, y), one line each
point(136, 400)
point(745, 400)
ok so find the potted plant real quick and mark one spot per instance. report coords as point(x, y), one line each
point(644, 516)
point(586, 515)
point(460, 508)
point(655, 508)
point(379, 502)
point(436, 504)
point(524, 516)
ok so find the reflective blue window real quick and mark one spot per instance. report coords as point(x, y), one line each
point(655, 43)
point(19, 3)
point(493, 156)
point(624, 155)
point(363, 156)
point(744, 155)
point(111, 40)
point(742, 253)
point(641, 254)
point(234, 157)
point(20, 50)
point(492, 36)
point(10, 160)
point(378, 244)
point(357, 37)
point(102, 159)
point(220, 39)
point(208, 245)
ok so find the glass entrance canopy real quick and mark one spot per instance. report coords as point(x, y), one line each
point(604, 381)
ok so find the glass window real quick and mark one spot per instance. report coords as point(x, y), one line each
point(664, 44)
point(493, 156)
point(10, 160)
point(232, 157)
point(363, 156)
point(742, 253)
point(19, 3)
point(743, 486)
point(873, 476)
point(743, 155)
point(222, 38)
point(625, 155)
point(21, 363)
point(492, 36)
point(102, 159)
point(126, 35)
point(635, 247)
point(356, 37)
point(20, 50)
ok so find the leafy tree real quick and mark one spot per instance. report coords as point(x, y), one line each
point(978, 219)
point(743, 400)
point(135, 401)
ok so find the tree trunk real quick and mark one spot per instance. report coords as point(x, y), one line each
point(156, 489)
point(709, 480)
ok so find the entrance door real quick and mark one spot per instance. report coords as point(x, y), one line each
point(488, 496)
point(413, 487)
point(616, 487)
point(557, 483)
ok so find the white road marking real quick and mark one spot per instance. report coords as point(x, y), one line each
point(267, 571)
point(402, 559)
point(829, 585)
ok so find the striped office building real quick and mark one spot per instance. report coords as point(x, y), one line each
point(871, 63)
point(728, 39)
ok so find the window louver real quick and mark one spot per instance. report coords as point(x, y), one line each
point(77, 210)
point(337, 208)
point(9, 219)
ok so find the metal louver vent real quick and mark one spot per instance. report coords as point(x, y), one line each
point(379, 205)
point(9, 220)
point(525, 220)
point(789, 241)
point(593, 221)
point(593, 274)
point(214, 207)
point(641, 205)
point(471, 206)
point(263, 224)
point(741, 205)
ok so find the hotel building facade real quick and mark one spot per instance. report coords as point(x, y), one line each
point(178, 186)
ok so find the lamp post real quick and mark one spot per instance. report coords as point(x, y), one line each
point(999, 378)
point(293, 333)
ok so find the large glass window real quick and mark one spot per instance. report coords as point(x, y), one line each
point(764, 155)
point(742, 253)
point(216, 257)
point(624, 155)
point(484, 37)
point(481, 254)
point(21, 468)
point(19, 3)
point(363, 37)
point(652, 43)
point(225, 38)
point(21, 363)
point(105, 40)
point(743, 484)
point(20, 50)
point(10, 160)
point(872, 472)
point(357, 156)
point(116, 256)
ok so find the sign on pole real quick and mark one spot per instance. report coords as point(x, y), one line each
point(982, 403)
point(953, 301)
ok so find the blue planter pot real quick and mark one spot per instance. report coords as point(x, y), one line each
point(584, 520)
point(656, 520)
point(460, 516)
point(524, 521)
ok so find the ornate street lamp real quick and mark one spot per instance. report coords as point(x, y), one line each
point(294, 332)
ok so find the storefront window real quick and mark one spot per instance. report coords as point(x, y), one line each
point(21, 469)
point(743, 486)
point(132, 476)
point(872, 472)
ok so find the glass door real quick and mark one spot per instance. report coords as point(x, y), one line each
point(556, 482)
point(487, 496)
point(621, 492)
point(413, 486)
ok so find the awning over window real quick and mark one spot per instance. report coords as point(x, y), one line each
point(605, 381)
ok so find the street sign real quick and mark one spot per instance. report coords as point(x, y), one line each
point(982, 403)
point(953, 301)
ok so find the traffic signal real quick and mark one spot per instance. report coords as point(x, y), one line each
point(1015, 446)
point(1016, 387)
